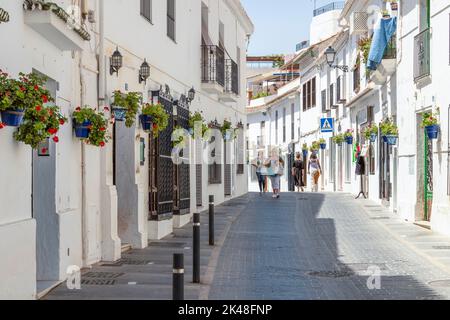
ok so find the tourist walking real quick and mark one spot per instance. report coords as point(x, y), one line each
point(258, 164)
point(315, 170)
point(275, 168)
point(297, 172)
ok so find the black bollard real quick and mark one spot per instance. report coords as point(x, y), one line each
point(196, 249)
point(211, 220)
point(178, 277)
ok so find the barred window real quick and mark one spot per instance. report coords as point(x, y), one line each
point(215, 169)
point(146, 9)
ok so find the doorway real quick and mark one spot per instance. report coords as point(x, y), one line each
point(424, 174)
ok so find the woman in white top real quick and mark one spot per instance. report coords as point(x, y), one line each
point(275, 165)
point(315, 170)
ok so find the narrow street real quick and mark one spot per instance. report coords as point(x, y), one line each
point(303, 246)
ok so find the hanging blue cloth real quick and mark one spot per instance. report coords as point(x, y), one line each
point(381, 38)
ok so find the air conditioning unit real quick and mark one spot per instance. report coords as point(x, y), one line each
point(359, 23)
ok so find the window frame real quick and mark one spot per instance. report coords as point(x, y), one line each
point(143, 13)
point(172, 19)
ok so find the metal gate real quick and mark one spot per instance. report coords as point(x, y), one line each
point(291, 159)
point(385, 171)
point(161, 173)
point(428, 183)
point(182, 188)
point(227, 168)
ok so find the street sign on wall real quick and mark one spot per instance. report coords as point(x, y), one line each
point(326, 125)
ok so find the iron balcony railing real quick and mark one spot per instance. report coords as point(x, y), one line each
point(213, 65)
point(422, 55)
point(231, 77)
point(338, 5)
point(391, 49)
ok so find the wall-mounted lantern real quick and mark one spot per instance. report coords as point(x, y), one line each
point(191, 95)
point(116, 62)
point(144, 72)
point(330, 55)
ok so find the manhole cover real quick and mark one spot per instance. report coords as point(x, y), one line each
point(331, 274)
point(380, 218)
point(440, 284)
point(441, 247)
point(102, 275)
point(167, 244)
point(98, 282)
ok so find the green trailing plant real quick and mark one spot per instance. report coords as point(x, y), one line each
point(40, 123)
point(225, 127)
point(160, 118)
point(259, 95)
point(305, 147)
point(364, 45)
point(98, 130)
point(322, 141)
point(338, 139)
point(430, 119)
point(389, 128)
point(26, 92)
point(371, 129)
point(197, 117)
point(130, 102)
point(348, 133)
point(315, 146)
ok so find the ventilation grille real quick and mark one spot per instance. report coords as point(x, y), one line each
point(359, 23)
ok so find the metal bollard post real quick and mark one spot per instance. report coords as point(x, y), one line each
point(178, 277)
point(211, 220)
point(196, 249)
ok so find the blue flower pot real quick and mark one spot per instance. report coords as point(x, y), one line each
point(323, 146)
point(391, 140)
point(12, 118)
point(432, 132)
point(373, 137)
point(305, 154)
point(82, 130)
point(385, 139)
point(349, 140)
point(146, 122)
point(119, 113)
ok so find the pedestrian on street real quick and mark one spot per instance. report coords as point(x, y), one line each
point(275, 166)
point(258, 164)
point(297, 172)
point(315, 170)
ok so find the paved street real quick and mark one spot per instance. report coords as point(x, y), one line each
point(303, 246)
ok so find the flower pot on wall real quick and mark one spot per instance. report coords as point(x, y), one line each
point(323, 146)
point(394, 6)
point(82, 130)
point(305, 154)
point(373, 137)
point(349, 140)
point(432, 132)
point(146, 122)
point(391, 140)
point(12, 118)
point(119, 113)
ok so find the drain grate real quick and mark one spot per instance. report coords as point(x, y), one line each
point(331, 274)
point(441, 247)
point(167, 244)
point(102, 275)
point(98, 282)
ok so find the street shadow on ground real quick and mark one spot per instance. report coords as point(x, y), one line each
point(287, 249)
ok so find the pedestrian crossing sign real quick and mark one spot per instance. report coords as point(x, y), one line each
point(327, 125)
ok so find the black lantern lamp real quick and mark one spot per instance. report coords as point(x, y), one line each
point(116, 62)
point(330, 55)
point(191, 94)
point(144, 72)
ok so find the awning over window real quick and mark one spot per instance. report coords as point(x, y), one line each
point(4, 16)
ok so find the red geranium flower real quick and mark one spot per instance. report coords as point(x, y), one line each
point(36, 87)
point(61, 121)
point(44, 150)
point(22, 89)
point(44, 98)
point(102, 144)
point(78, 109)
point(52, 131)
point(102, 129)
point(56, 139)
point(2, 125)
point(106, 109)
point(38, 108)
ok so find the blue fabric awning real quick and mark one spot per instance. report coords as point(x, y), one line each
point(381, 38)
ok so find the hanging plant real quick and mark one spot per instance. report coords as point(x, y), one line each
point(315, 146)
point(348, 136)
point(322, 143)
point(16, 96)
point(371, 132)
point(364, 45)
point(125, 106)
point(339, 139)
point(39, 124)
point(430, 123)
point(225, 129)
point(91, 126)
point(154, 118)
point(389, 128)
point(195, 118)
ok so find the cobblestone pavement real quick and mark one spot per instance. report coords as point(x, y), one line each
point(320, 246)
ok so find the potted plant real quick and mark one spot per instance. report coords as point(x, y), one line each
point(91, 126)
point(348, 136)
point(385, 14)
point(371, 132)
point(364, 45)
point(323, 143)
point(389, 131)
point(226, 130)
point(40, 123)
point(125, 107)
point(431, 124)
point(305, 150)
point(339, 139)
point(154, 118)
point(394, 5)
point(196, 118)
point(16, 96)
point(315, 147)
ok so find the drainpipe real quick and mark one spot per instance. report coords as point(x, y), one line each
point(101, 55)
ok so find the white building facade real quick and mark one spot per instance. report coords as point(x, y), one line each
point(81, 204)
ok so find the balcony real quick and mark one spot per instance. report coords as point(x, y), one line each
point(338, 5)
point(231, 90)
point(55, 24)
point(213, 69)
point(388, 65)
point(422, 55)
